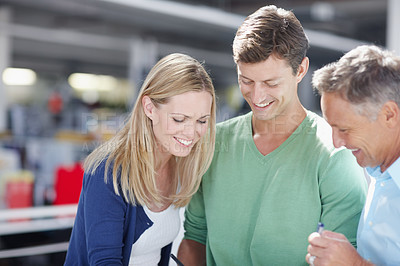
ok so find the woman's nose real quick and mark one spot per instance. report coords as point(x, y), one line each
point(189, 130)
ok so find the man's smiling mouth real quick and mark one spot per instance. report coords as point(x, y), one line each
point(262, 105)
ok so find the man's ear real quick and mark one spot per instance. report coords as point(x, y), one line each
point(303, 68)
point(390, 112)
point(148, 106)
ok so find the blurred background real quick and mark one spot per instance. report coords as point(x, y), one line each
point(70, 71)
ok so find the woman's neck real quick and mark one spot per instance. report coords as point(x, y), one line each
point(161, 158)
point(165, 184)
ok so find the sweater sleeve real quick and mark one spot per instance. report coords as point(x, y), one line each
point(195, 221)
point(343, 191)
point(104, 213)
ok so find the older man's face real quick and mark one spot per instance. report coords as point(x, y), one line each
point(354, 131)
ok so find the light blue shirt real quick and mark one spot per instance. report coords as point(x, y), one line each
point(378, 237)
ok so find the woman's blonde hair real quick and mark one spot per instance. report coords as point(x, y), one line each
point(130, 153)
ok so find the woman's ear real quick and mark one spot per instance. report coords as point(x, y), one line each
point(148, 106)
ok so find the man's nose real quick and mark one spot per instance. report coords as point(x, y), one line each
point(258, 93)
point(338, 140)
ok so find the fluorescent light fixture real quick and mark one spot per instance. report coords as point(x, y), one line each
point(83, 81)
point(86, 81)
point(106, 83)
point(90, 97)
point(19, 76)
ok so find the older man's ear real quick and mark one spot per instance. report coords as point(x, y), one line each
point(390, 114)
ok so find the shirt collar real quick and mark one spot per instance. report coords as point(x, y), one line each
point(374, 171)
point(393, 171)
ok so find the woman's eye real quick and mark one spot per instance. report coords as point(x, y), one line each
point(178, 120)
point(202, 121)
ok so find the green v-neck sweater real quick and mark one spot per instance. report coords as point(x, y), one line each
point(253, 209)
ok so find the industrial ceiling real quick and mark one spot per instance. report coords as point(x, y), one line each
point(96, 35)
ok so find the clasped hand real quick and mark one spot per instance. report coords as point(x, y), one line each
point(331, 248)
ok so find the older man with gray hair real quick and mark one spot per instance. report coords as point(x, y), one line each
point(360, 99)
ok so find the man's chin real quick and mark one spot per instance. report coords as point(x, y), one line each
point(364, 164)
point(261, 116)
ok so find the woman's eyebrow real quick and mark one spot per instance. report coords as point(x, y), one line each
point(204, 116)
point(187, 116)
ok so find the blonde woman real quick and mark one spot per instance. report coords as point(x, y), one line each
point(134, 184)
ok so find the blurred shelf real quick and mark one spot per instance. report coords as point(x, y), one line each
point(36, 219)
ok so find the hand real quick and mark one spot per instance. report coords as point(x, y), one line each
point(192, 253)
point(332, 248)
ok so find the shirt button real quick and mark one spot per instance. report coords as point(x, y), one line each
point(370, 223)
point(382, 184)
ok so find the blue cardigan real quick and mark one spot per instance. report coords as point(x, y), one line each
point(106, 226)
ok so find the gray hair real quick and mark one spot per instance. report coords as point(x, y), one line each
point(366, 76)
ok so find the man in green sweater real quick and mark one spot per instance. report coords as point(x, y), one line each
point(275, 172)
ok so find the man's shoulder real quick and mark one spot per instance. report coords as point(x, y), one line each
point(317, 133)
point(234, 124)
point(319, 129)
point(321, 135)
point(315, 120)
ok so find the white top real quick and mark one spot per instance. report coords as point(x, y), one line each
point(147, 249)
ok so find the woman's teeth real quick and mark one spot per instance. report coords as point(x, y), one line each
point(184, 142)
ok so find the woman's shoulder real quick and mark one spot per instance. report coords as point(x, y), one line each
point(95, 176)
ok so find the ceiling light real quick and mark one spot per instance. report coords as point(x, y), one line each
point(19, 76)
point(86, 81)
point(83, 81)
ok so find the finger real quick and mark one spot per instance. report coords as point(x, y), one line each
point(308, 257)
point(313, 236)
point(315, 239)
point(311, 260)
point(325, 239)
point(315, 251)
point(334, 236)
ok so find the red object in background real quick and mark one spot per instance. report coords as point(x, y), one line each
point(19, 194)
point(55, 103)
point(68, 184)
